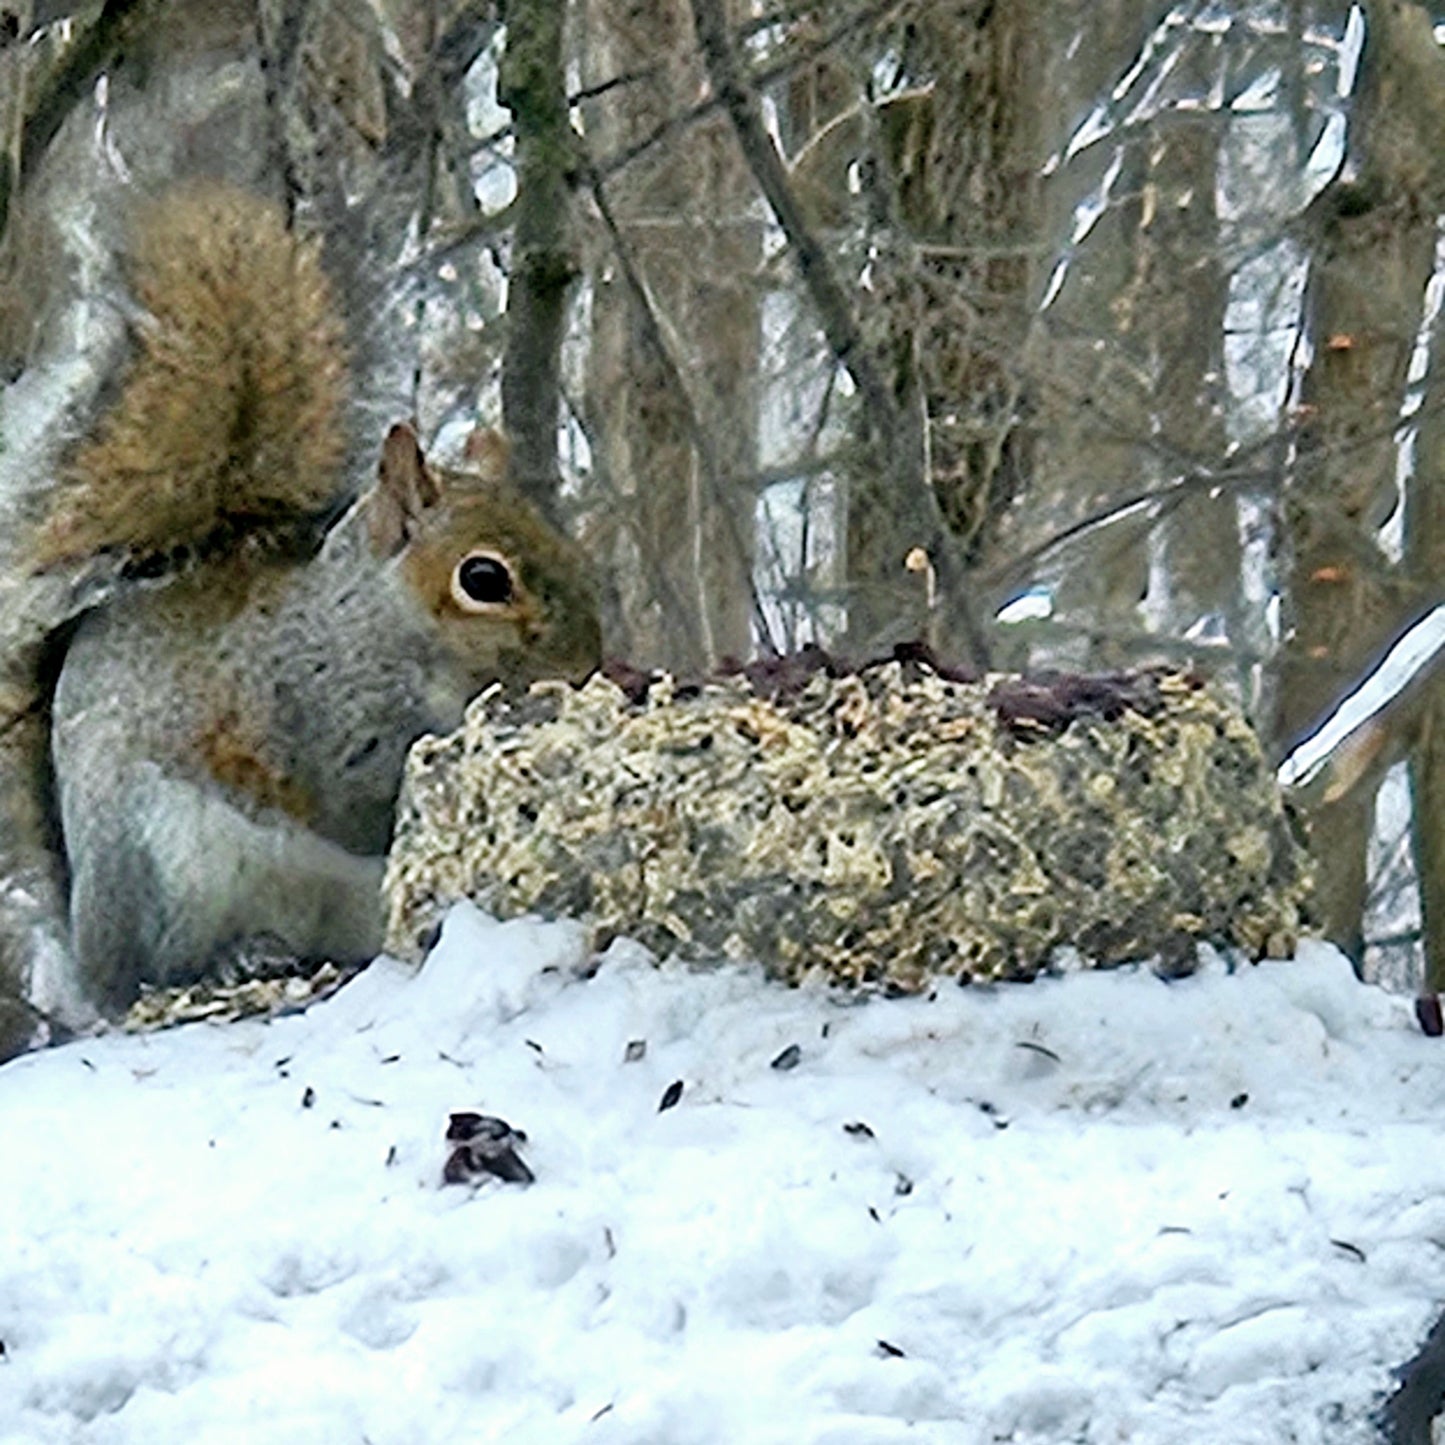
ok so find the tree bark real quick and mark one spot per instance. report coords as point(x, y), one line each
point(532, 85)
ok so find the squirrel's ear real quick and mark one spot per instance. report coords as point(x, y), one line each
point(404, 490)
point(489, 454)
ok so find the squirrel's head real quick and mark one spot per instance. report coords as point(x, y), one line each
point(508, 595)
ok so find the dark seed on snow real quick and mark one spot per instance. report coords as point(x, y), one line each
point(1429, 1016)
point(670, 1095)
point(485, 1145)
point(788, 1059)
point(1038, 1049)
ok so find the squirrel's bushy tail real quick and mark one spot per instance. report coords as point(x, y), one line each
point(230, 421)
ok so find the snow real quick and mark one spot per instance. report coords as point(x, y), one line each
point(1406, 660)
point(1098, 1208)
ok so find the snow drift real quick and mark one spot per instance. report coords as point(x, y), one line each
point(1099, 1208)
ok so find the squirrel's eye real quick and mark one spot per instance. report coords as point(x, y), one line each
point(482, 580)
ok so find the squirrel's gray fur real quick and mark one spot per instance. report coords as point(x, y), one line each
point(229, 722)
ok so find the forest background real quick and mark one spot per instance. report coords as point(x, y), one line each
point(1085, 334)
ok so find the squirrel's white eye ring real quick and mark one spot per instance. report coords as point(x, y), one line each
point(482, 581)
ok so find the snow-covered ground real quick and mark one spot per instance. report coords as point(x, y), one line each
point(1100, 1208)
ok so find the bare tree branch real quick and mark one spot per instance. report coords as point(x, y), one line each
point(828, 297)
point(761, 78)
point(467, 34)
point(898, 432)
point(531, 85)
point(1240, 475)
point(68, 83)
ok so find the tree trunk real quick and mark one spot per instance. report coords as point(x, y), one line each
point(532, 86)
point(1375, 242)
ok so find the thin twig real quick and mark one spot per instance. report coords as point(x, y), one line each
point(762, 77)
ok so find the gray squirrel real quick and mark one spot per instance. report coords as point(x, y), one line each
point(227, 732)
